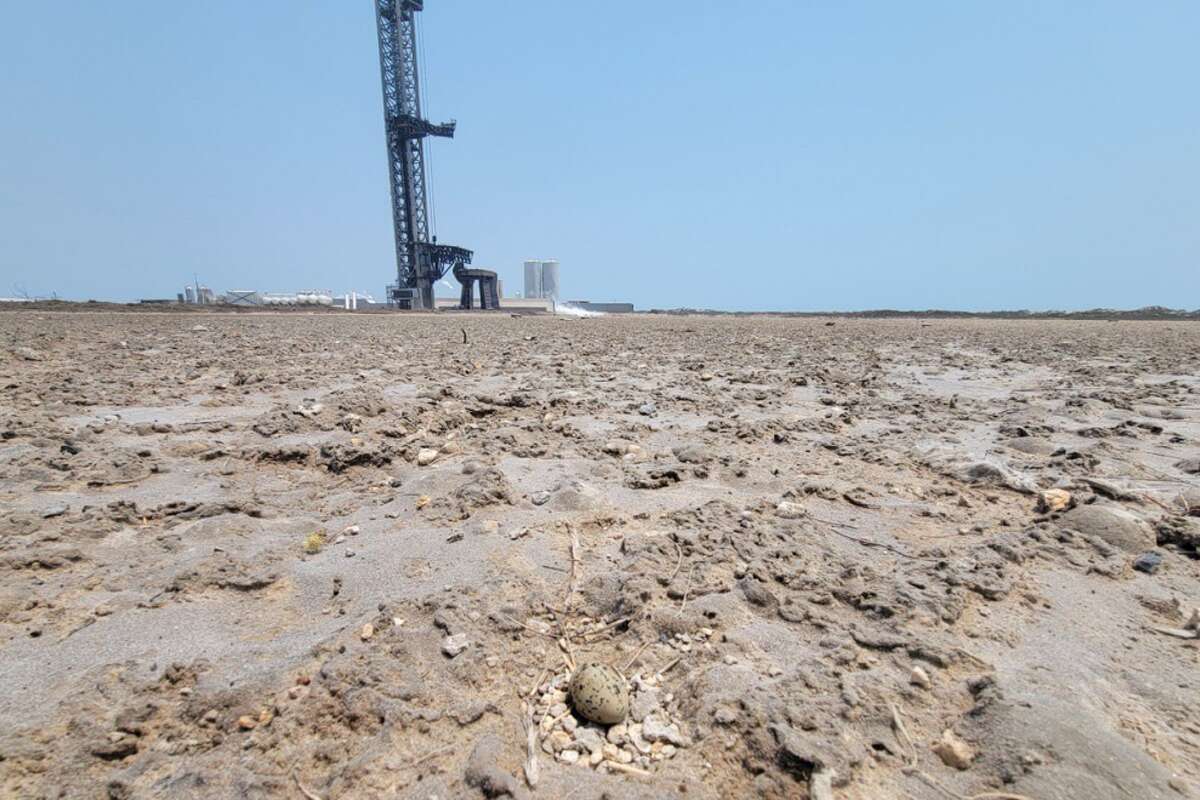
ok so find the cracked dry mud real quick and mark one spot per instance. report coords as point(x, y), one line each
point(347, 556)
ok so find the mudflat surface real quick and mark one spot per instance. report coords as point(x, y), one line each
point(345, 556)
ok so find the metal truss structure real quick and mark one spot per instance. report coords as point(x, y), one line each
point(420, 260)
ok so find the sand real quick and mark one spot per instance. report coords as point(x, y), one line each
point(345, 556)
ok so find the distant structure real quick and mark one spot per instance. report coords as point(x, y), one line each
point(310, 297)
point(252, 298)
point(197, 295)
point(489, 287)
point(242, 297)
point(603, 308)
point(542, 279)
point(533, 279)
point(420, 260)
point(550, 283)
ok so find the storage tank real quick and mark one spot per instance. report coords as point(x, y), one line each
point(189, 295)
point(550, 282)
point(533, 279)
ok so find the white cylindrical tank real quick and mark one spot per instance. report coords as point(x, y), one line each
point(533, 279)
point(550, 279)
point(189, 295)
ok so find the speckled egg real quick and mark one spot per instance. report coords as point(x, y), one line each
point(599, 693)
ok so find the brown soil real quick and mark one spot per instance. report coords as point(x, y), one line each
point(821, 554)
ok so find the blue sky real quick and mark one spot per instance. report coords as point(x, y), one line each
point(781, 155)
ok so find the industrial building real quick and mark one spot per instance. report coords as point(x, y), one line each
point(543, 279)
point(197, 295)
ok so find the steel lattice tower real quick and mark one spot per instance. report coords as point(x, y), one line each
point(420, 260)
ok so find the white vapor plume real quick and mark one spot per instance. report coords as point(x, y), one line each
point(568, 310)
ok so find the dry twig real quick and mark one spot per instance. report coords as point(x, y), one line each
point(532, 773)
point(628, 770)
point(833, 528)
point(574, 566)
point(303, 789)
point(636, 654)
point(688, 589)
point(678, 566)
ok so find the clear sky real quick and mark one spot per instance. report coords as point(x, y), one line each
point(776, 154)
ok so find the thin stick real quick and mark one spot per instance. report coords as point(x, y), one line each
point(1178, 633)
point(568, 656)
point(902, 734)
point(627, 769)
point(538, 684)
point(687, 590)
point(532, 773)
point(608, 627)
point(865, 542)
point(427, 756)
point(303, 789)
point(574, 565)
point(636, 654)
point(677, 566)
point(529, 628)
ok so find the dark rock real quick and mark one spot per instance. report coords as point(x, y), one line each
point(1181, 532)
point(124, 746)
point(757, 594)
point(879, 640)
point(1148, 563)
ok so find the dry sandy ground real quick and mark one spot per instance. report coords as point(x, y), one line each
point(815, 550)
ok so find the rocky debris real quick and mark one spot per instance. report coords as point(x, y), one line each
point(953, 751)
point(1113, 524)
point(337, 458)
point(692, 454)
point(488, 487)
point(427, 456)
point(1189, 465)
point(222, 571)
point(919, 677)
point(620, 448)
point(1053, 500)
point(1148, 563)
point(653, 478)
point(1182, 533)
point(789, 510)
point(456, 645)
point(655, 730)
point(758, 595)
point(27, 353)
point(642, 743)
